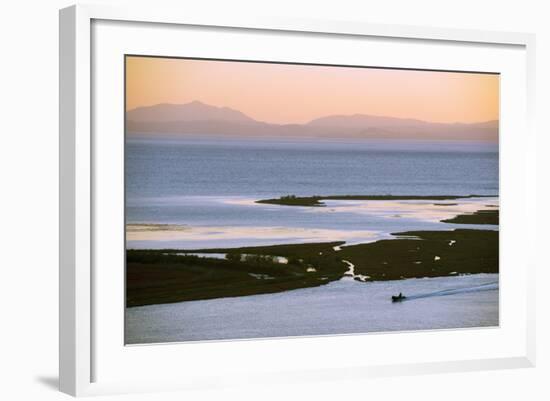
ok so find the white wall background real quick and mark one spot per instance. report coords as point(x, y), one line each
point(29, 186)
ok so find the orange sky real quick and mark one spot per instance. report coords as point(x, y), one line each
point(279, 93)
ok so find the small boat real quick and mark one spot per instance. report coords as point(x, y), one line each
point(398, 298)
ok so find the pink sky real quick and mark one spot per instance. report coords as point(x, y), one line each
point(287, 93)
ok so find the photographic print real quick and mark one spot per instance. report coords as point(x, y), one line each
point(269, 199)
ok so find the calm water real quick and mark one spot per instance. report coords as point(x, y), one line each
point(340, 307)
point(213, 183)
point(193, 167)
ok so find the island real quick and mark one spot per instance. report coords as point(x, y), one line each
point(317, 200)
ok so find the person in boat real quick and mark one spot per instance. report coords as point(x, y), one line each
point(398, 297)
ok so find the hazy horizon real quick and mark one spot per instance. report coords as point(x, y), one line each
point(196, 101)
point(200, 118)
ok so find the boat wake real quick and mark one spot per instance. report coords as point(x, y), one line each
point(453, 291)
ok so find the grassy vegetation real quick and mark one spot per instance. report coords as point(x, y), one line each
point(317, 200)
point(431, 255)
point(161, 276)
point(479, 217)
point(293, 200)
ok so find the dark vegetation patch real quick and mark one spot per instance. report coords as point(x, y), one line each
point(479, 217)
point(161, 276)
point(431, 255)
point(317, 200)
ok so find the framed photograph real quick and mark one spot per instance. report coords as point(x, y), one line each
point(280, 200)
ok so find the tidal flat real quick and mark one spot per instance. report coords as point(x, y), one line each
point(156, 276)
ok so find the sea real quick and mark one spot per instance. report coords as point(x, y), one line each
point(209, 187)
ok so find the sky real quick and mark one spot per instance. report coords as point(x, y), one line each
point(288, 93)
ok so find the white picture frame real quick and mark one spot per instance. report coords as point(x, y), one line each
point(78, 157)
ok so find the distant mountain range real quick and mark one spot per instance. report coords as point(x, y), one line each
point(199, 118)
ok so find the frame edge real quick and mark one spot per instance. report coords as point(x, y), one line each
point(67, 112)
point(530, 61)
point(74, 201)
point(75, 346)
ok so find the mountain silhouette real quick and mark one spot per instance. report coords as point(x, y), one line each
point(197, 118)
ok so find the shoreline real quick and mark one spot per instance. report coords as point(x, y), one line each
point(262, 225)
point(158, 276)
